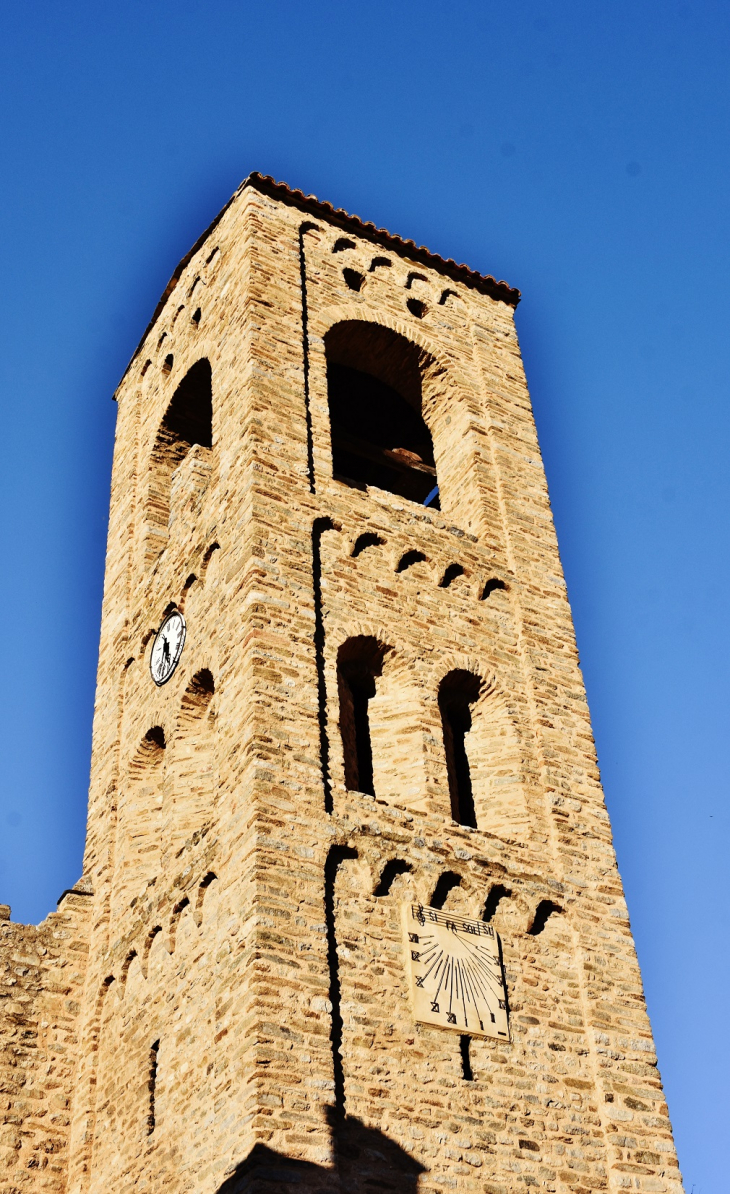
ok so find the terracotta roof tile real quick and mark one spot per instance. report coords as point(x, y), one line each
point(335, 215)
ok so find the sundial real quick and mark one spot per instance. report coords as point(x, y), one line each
point(455, 972)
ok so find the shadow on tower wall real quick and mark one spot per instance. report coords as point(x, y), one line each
point(365, 1161)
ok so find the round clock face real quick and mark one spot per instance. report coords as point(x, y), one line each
point(167, 647)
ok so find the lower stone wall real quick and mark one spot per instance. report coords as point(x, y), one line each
point(42, 970)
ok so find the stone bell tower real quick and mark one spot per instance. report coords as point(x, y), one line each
point(350, 917)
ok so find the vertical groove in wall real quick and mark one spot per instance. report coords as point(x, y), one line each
point(152, 1083)
point(465, 1050)
point(320, 526)
point(335, 858)
point(303, 230)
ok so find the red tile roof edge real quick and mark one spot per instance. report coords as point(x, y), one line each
point(484, 283)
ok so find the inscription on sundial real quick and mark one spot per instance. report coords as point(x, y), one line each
point(455, 972)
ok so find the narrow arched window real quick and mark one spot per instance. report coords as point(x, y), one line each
point(457, 693)
point(359, 664)
point(139, 825)
point(188, 421)
point(379, 436)
point(193, 762)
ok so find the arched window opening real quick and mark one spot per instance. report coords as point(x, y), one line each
point(196, 697)
point(149, 752)
point(193, 764)
point(175, 920)
point(498, 893)
point(368, 539)
point(457, 693)
point(359, 663)
point(353, 279)
point(486, 764)
point(149, 941)
point(545, 909)
point(187, 422)
point(450, 575)
point(392, 869)
point(125, 968)
point(379, 436)
point(186, 589)
point(492, 586)
point(409, 559)
point(446, 883)
point(205, 885)
point(207, 558)
point(139, 816)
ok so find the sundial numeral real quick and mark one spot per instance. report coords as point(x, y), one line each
point(451, 1018)
point(415, 955)
point(413, 937)
point(419, 980)
point(434, 1007)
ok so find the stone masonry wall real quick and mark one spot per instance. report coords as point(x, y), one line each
point(42, 973)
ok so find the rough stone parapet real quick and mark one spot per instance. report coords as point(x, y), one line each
point(42, 973)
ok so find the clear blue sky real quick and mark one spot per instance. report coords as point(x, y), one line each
point(578, 150)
